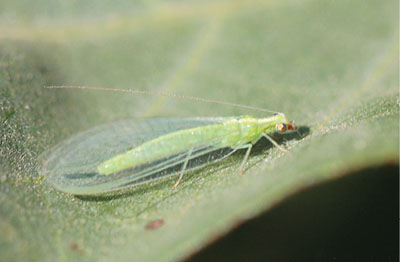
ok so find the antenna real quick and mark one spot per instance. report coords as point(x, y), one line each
point(172, 95)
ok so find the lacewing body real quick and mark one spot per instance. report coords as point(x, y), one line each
point(132, 152)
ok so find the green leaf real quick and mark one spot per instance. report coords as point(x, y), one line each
point(332, 66)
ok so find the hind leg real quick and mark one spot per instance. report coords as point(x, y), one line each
point(183, 168)
point(246, 156)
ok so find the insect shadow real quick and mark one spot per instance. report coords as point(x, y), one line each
point(199, 164)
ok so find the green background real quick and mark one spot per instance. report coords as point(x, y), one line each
point(331, 66)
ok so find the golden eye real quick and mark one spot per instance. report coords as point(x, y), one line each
point(281, 127)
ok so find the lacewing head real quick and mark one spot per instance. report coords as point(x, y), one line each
point(283, 127)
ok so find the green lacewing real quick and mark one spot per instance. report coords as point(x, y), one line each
point(127, 153)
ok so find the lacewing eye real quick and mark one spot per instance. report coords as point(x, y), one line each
point(281, 127)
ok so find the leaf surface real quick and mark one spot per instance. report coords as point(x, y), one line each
point(332, 66)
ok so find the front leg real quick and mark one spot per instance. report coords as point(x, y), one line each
point(274, 142)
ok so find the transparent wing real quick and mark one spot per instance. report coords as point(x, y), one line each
point(72, 166)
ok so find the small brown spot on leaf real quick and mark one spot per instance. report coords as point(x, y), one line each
point(75, 247)
point(154, 224)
